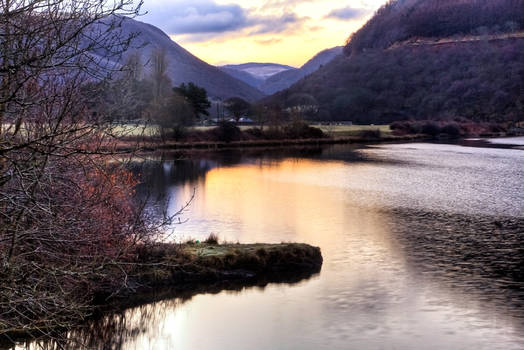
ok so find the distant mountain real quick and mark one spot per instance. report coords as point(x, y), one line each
point(423, 59)
point(183, 67)
point(243, 76)
point(285, 79)
point(271, 77)
point(259, 70)
point(254, 74)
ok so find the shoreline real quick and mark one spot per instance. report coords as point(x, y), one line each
point(169, 270)
point(152, 146)
point(167, 264)
point(148, 145)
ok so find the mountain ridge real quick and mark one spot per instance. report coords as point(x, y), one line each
point(184, 67)
point(285, 79)
point(254, 73)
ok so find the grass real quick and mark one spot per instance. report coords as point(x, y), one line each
point(130, 130)
point(335, 131)
point(166, 264)
point(341, 131)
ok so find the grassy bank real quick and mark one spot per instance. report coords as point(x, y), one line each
point(165, 270)
point(175, 264)
point(301, 134)
point(348, 131)
point(130, 130)
point(149, 145)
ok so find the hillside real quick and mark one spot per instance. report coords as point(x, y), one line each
point(396, 67)
point(285, 79)
point(400, 20)
point(183, 67)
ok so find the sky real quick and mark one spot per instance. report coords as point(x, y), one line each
point(277, 31)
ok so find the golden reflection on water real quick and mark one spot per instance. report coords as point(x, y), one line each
point(283, 195)
point(365, 291)
point(366, 296)
point(274, 202)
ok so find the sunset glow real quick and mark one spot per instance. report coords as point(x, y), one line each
point(280, 31)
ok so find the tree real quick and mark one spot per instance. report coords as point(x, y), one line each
point(68, 222)
point(161, 82)
point(260, 113)
point(237, 106)
point(196, 96)
point(174, 117)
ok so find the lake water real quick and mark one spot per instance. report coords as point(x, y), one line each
point(422, 247)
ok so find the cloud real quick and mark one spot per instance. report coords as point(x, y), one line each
point(284, 4)
point(270, 41)
point(276, 24)
point(348, 13)
point(198, 18)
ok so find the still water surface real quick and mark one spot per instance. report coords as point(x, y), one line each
point(422, 247)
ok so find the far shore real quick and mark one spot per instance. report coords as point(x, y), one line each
point(152, 145)
point(136, 138)
point(156, 145)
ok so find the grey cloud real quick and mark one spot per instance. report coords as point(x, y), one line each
point(348, 13)
point(196, 17)
point(201, 17)
point(266, 25)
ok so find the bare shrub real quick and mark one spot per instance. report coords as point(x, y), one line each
point(211, 239)
point(69, 225)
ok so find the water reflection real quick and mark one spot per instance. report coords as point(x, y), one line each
point(140, 321)
point(481, 257)
point(421, 244)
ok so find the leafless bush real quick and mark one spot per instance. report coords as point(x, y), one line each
point(68, 224)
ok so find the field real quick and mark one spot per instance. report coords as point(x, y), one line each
point(336, 131)
point(339, 131)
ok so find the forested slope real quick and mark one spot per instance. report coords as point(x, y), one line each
point(467, 65)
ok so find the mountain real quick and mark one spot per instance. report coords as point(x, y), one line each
point(287, 78)
point(183, 67)
point(401, 20)
point(259, 70)
point(243, 76)
point(423, 59)
point(255, 74)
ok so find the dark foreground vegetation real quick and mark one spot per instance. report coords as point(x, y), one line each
point(109, 323)
point(178, 269)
